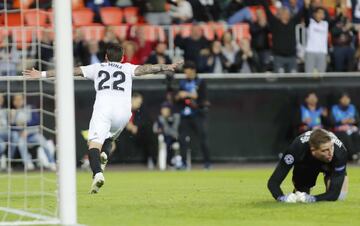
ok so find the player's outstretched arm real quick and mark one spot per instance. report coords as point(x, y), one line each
point(33, 73)
point(156, 68)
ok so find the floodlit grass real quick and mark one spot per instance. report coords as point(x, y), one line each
point(217, 197)
point(187, 198)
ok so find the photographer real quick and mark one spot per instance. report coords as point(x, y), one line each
point(192, 97)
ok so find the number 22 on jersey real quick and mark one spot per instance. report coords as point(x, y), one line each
point(113, 81)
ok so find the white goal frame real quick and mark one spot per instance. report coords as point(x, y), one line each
point(65, 126)
point(65, 121)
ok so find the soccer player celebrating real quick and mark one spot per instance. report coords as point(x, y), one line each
point(311, 153)
point(112, 107)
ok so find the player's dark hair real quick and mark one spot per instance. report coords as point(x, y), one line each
point(114, 52)
point(317, 9)
point(319, 137)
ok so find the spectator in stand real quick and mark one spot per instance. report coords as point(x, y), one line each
point(284, 46)
point(79, 49)
point(4, 126)
point(213, 61)
point(122, 3)
point(95, 6)
point(192, 45)
point(192, 97)
point(181, 12)
point(93, 53)
point(109, 37)
point(345, 118)
point(46, 53)
point(9, 58)
point(230, 49)
point(317, 39)
point(246, 60)
point(26, 132)
point(144, 47)
point(159, 56)
point(205, 10)
point(294, 6)
point(141, 5)
point(311, 115)
point(156, 13)
point(357, 59)
point(342, 36)
point(42, 4)
point(260, 41)
point(237, 12)
point(355, 11)
point(130, 53)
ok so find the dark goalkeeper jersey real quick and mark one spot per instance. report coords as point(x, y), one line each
point(298, 154)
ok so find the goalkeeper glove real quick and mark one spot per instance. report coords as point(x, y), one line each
point(304, 197)
point(289, 198)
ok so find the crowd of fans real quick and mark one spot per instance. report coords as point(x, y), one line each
point(279, 36)
point(342, 118)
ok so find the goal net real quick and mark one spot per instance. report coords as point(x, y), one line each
point(31, 192)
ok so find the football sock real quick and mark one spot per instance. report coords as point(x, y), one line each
point(107, 146)
point(94, 158)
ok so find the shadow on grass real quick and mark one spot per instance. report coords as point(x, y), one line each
point(267, 204)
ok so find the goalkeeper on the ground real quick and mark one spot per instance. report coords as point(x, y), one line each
point(311, 153)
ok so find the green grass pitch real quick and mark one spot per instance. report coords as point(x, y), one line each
point(209, 198)
point(228, 197)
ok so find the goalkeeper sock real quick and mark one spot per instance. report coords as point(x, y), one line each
point(94, 158)
point(107, 146)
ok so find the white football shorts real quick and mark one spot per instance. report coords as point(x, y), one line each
point(104, 123)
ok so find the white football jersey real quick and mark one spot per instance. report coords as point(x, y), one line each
point(112, 82)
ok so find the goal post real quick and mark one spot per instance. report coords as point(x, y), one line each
point(65, 112)
point(34, 189)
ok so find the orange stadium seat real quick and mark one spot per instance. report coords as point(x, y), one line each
point(11, 19)
point(77, 4)
point(22, 36)
point(153, 33)
point(24, 4)
point(82, 17)
point(184, 30)
point(36, 17)
point(111, 15)
point(208, 31)
point(213, 30)
point(95, 33)
point(51, 18)
point(130, 13)
point(273, 9)
point(240, 31)
point(120, 31)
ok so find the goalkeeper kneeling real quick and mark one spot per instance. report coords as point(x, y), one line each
point(311, 153)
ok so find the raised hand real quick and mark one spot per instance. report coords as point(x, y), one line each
point(33, 73)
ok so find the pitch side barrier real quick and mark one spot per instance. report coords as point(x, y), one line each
point(251, 115)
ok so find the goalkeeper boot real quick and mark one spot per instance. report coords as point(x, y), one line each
point(103, 160)
point(97, 183)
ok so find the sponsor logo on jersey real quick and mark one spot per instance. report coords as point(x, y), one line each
point(289, 159)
